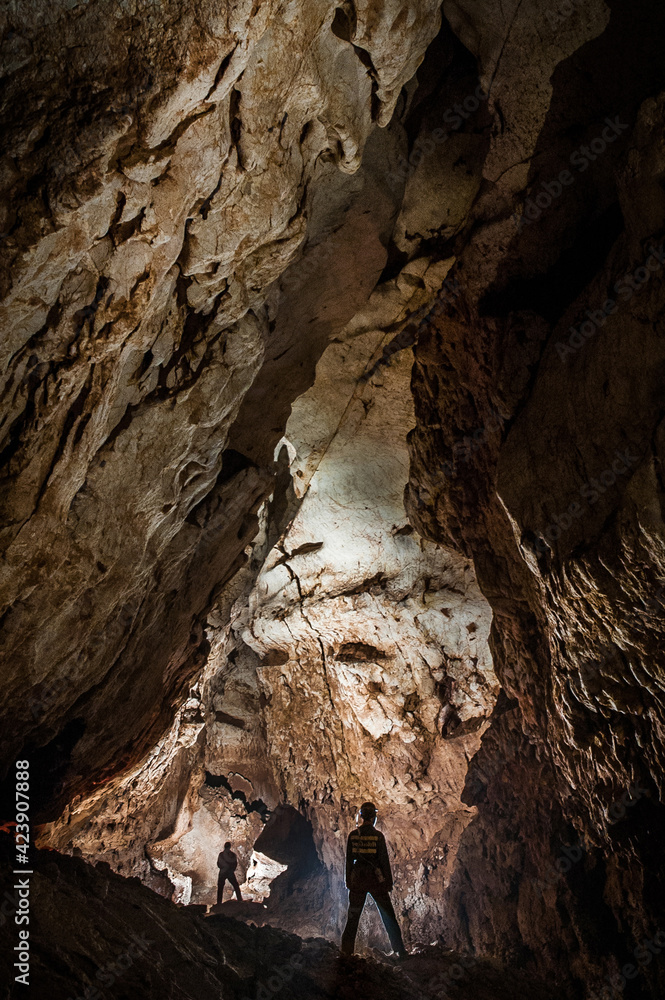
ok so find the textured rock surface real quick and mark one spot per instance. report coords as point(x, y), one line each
point(374, 662)
point(98, 931)
point(538, 452)
point(146, 222)
point(356, 666)
point(181, 249)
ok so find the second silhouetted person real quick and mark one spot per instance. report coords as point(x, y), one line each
point(227, 863)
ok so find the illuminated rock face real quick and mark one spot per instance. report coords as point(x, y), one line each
point(355, 667)
point(144, 230)
point(375, 671)
point(221, 252)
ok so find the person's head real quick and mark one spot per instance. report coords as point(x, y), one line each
point(227, 845)
point(368, 813)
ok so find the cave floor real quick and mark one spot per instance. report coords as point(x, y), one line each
point(97, 935)
point(430, 973)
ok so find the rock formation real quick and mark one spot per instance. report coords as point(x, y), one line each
point(332, 446)
point(100, 935)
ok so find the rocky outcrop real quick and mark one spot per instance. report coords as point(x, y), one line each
point(153, 197)
point(538, 452)
point(227, 624)
point(96, 934)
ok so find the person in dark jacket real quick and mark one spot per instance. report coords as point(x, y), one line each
point(368, 871)
point(227, 862)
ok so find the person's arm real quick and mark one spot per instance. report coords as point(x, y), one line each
point(349, 861)
point(384, 861)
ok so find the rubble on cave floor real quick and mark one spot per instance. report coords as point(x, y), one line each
point(95, 934)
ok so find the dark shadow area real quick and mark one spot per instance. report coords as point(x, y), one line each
point(608, 77)
point(96, 934)
point(299, 894)
point(49, 765)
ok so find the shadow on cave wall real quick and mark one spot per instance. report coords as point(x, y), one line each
point(608, 77)
point(507, 896)
point(49, 768)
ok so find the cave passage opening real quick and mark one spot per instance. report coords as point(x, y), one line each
point(348, 661)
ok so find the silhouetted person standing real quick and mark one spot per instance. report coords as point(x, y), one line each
point(368, 871)
point(227, 862)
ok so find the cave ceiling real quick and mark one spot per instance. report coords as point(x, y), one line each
point(332, 437)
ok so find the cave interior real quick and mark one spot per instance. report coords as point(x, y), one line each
point(333, 443)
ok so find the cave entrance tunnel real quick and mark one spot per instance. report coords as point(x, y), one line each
point(275, 870)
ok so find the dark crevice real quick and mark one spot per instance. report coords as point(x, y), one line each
point(350, 651)
point(145, 365)
point(344, 22)
point(235, 123)
point(205, 206)
point(230, 720)
point(120, 232)
point(301, 550)
point(122, 425)
point(87, 313)
point(233, 462)
point(550, 294)
point(256, 805)
point(378, 581)
point(170, 143)
point(223, 66)
point(395, 262)
point(74, 413)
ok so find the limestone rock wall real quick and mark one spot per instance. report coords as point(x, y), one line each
point(538, 453)
point(374, 666)
point(211, 594)
point(348, 660)
point(161, 182)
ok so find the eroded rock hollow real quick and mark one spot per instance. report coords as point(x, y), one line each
point(332, 470)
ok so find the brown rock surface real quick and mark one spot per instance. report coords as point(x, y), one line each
point(355, 666)
point(146, 221)
point(223, 230)
point(551, 435)
point(99, 932)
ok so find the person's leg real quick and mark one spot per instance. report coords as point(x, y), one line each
point(387, 911)
point(236, 888)
point(221, 882)
point(356, 903)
